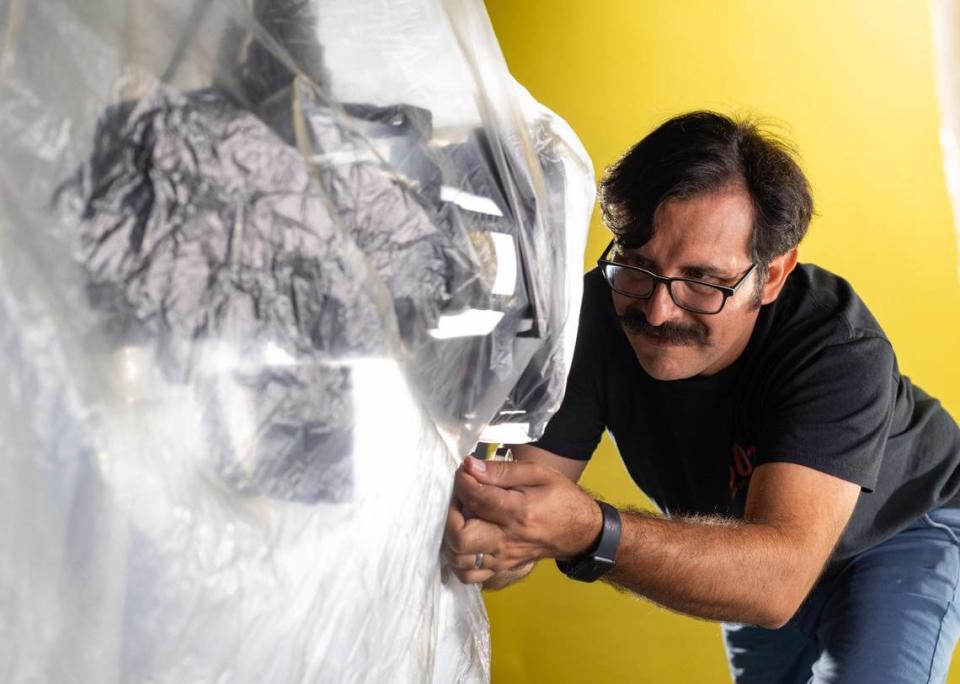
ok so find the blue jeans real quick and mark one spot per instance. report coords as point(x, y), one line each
point(890, 615)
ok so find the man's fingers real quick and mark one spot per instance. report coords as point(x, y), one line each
point(455, 521)
point(468, 561)
point(473, 576)
point(508, 474)
point(475, 535)
point(462, 563)
point(496, 505)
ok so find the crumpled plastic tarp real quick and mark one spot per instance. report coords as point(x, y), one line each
point(268, 269)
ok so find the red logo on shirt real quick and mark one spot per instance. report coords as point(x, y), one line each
point(741, 468)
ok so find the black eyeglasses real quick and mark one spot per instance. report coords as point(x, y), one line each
point(691, 295)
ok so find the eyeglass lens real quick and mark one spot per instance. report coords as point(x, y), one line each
point(697, 296)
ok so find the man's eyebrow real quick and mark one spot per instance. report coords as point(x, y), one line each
point(634, 258)
point(688, 270)
point(707, 270)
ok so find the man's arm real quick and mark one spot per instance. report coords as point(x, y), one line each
point(756, 570)
point(463, 533)
point(571, 468)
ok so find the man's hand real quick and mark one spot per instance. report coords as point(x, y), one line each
point(514, 514)
point(465, 538)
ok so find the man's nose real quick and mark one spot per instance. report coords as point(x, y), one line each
point(660, 307)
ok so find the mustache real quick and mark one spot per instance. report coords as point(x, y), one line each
point(684, 334)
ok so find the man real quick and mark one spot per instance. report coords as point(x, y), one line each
point(810, 493)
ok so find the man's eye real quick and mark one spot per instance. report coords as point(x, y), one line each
point(704, 278)
point(700, 288)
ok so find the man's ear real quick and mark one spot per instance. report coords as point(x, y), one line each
point(777, 271)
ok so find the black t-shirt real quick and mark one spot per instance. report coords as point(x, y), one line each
point(817, 385)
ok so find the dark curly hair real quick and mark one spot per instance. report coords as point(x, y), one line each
point(703, 152)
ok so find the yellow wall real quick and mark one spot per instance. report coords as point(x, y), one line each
point(853, 83)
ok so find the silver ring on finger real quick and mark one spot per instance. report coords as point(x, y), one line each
point(478, 560)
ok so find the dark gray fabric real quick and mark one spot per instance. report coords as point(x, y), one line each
point(426, 265)
point(198, 224)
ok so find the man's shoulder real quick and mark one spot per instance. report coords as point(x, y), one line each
point(600, 335)
point(819, 322)
point(824, 305)
point(593, 283)
point(597, 303)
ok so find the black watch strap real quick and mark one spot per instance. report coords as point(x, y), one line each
point(592, 565)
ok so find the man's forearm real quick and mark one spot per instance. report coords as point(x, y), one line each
point(756, 571)
point(713, 568)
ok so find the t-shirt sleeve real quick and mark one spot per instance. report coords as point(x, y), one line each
point(575, 429)
point(833, 414)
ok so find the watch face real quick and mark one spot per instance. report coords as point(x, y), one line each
point(600, 567)
point(587, 569)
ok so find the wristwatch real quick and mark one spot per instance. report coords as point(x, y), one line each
point(594, 563)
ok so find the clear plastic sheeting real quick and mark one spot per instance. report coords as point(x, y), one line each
point(946, 41)
point(268, 268)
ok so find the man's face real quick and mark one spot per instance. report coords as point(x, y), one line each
point(705, 237)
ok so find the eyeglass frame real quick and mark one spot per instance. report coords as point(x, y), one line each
point(726, 290)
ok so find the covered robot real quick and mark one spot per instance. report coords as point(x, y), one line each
point(268, 269)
